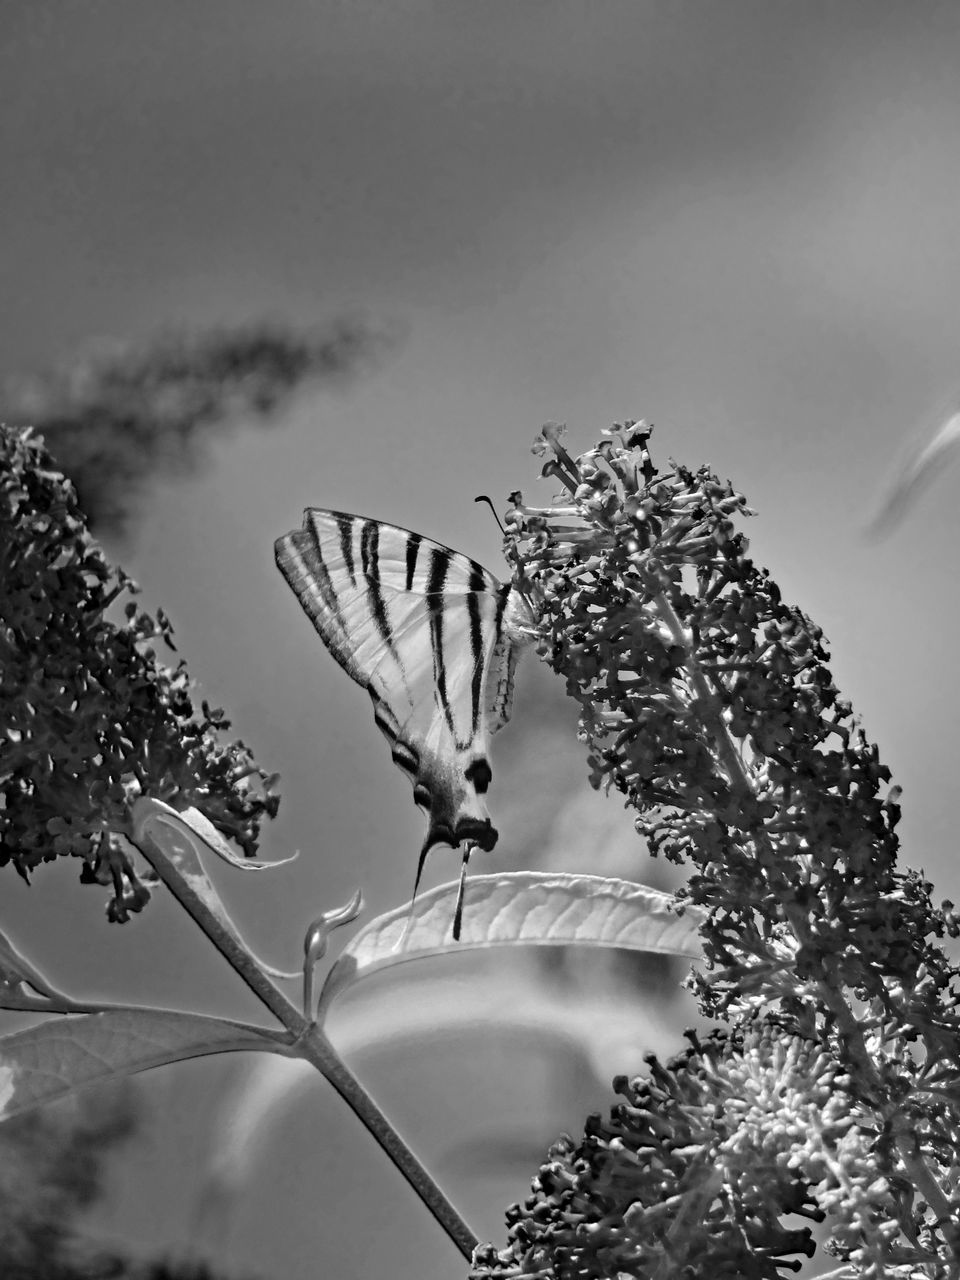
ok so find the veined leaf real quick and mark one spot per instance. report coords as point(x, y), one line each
point(525, 908)
point(64, 1054)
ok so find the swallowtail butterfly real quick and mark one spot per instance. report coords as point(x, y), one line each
point(433, 638)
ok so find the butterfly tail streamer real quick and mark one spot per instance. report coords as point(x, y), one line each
point(458, 912)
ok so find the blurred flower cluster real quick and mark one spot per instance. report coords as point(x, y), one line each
point(90, 717)
point(707, 702)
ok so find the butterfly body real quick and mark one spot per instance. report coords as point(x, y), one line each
point(433, 637)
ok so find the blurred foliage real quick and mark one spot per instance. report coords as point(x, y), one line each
point(90, 717)
point(52, 1167)
point(116, 419)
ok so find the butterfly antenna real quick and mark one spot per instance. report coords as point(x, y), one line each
point(458, 913)
point(482, 497)
point(420, 864)
point(522, 580)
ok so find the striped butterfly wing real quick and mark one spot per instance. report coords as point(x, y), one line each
point(432, 637)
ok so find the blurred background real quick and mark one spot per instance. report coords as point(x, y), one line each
point(738, 221)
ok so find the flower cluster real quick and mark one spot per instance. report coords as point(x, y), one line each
point(91, 718)
point(693, 1171)
point(707, 701)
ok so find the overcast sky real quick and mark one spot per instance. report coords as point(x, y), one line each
point(737, 220)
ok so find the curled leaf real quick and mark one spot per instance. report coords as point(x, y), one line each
point(213, 839)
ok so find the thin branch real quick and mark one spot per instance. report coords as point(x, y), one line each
point(312, 1044)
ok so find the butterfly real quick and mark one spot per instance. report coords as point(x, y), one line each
point(433, 638)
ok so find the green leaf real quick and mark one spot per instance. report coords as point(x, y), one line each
point(184, 838)
point(63, 1054)
point(526, 908)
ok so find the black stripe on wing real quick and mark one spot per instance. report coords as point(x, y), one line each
point(413, 550)
point(439, 605)
point(437, 576)
point(345, 525)
point(477, 585)
point(404, 755)
point(300, 560)
point(370, 564)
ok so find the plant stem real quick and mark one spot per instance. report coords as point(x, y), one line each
point(923, 1179)
point(309, 1042)
point(316, 1048)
